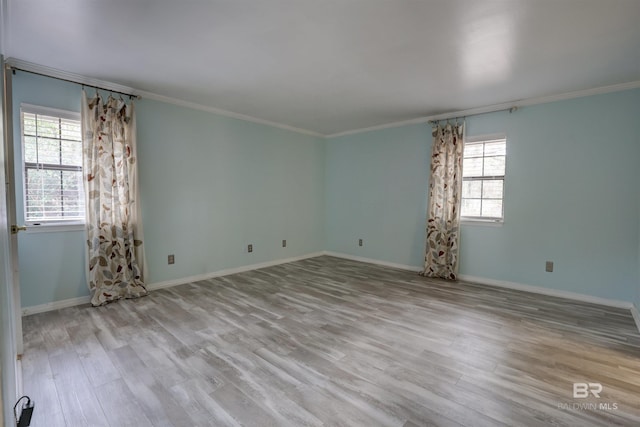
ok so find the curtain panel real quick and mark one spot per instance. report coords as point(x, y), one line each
point(113, 221)
point(445, 190)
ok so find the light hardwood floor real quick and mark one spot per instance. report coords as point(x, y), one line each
point(327, 341)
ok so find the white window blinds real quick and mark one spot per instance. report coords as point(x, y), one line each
point(52, 153)
point(483, 170)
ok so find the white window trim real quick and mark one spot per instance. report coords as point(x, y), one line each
point(37, 109)
point(492, 222)
point(468, 220)
point(49, 225)
point(54, 227)
point(487, 137)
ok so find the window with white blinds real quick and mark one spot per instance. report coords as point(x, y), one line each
point(52, 156)
point(483, 170)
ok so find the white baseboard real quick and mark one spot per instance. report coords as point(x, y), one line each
point(500, 283)
point(56, 305)
point(228, 271)
point(636, 316)
point(547, 291)
point(19, 377)
point(373, 261)
point(464, 278)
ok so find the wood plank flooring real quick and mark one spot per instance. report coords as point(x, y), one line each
point(326, 341)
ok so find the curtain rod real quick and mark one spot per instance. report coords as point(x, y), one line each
point(131, 96)
point(434, 121)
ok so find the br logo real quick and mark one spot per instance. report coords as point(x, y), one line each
point(582, 390)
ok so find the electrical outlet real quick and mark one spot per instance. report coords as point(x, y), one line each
point(548, 266)
point(359, 242)
point(284, 243)
point(171, 259)
point(250, 248)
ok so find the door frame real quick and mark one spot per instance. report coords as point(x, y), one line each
point(11, 206)
point(11, 313)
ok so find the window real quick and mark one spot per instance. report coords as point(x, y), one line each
point(52, 155)
point(483, 169)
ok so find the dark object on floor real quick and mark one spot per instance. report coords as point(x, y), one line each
point(25, 413)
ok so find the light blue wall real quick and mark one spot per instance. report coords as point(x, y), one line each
point(209, 186)
point(51, 264)
point(570, 196)
point(377, 191)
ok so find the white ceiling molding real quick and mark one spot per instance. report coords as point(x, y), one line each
point(498, 107)
point(220, 112)
point(83, 80)
point(328, 70)
point(79, 79)
point(65, 75)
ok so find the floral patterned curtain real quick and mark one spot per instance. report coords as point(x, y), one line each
point(114, 231)
point(445, 187)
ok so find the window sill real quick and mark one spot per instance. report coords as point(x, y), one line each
point(482, 222)
point(54, 228)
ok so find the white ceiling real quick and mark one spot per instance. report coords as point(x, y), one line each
point(334, 65)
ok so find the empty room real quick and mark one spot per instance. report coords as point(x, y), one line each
point(320, 213)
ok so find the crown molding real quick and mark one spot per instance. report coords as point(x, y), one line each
point(578, 93)
point(401, 123)
point(80, 79)
point(66, 75)
point(498, 107)
point(225, 113)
